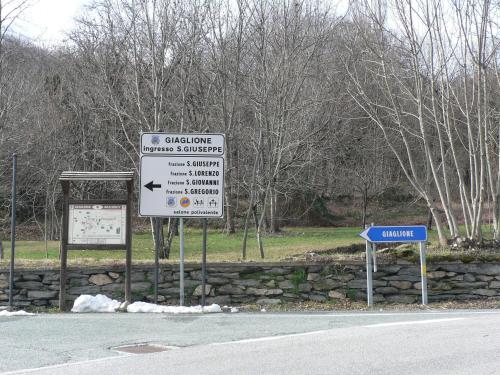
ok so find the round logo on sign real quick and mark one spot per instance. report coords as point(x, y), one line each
point(170, 201)
point(155, 139)
point(185, 202)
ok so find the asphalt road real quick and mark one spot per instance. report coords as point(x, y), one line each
point(456, 342)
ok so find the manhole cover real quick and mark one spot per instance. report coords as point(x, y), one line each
point(141, 348)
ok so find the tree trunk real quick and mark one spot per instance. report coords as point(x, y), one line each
point(251, 203)
point(45, 231)
point(273, 211)
point(258, 226)
point(245, 231)
point(365, 204)
point(439, 225)
point(230, 227)
point(496, 215)
point(158, 235)
point(429, 220)
point(167, 242)
point(154, 231)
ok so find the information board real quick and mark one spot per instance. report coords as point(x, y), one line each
point(97, 224)
point(182, 175)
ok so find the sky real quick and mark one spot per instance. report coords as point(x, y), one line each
point(46, 21)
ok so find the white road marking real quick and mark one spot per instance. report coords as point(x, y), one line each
point(68, 364)
point(271, 338)
point(279, 337)
point(343, 315)
point(428, 321)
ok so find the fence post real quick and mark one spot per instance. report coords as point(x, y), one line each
point(12, 232)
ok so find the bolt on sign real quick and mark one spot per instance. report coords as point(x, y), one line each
point(182, 175)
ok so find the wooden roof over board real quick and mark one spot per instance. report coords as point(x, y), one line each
point(96, 176)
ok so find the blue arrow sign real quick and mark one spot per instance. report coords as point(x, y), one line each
point(414, 233)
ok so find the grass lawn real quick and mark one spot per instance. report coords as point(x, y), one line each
point(221, 247)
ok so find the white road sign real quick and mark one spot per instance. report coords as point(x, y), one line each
point(182, 144)
point(182, 175)
point(182, 186)
point(97, 224)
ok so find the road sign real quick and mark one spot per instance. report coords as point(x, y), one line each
point(182, 175)
point(182, 144)
point(382, 234)
point(182, 186)
point(374, 235)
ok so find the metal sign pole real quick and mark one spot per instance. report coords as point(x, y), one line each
point(128, 257)
point(369, 281)
point(204, 261)
point(12, 232)
point(181, 262)
point(158, 225)
point(423, 271)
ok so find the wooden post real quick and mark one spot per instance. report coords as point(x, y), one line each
point(64, 249)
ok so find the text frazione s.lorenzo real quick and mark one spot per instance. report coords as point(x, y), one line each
point(197, 173)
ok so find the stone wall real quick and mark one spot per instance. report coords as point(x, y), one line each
point(262, 283)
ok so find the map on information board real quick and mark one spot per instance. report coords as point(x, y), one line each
point(97, 224)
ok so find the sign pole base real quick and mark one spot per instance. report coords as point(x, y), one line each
point(423, 271)
point(204, 262)
point(158, 225)
point(181, 262)
point(369, 280)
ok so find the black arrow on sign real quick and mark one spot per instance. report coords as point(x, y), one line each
point(151, 186)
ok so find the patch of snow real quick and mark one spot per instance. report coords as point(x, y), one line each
point(15, 313)
point(99, 303)
point(213, 308)
point(144, 307)
point(263, 310)
point(235, 310)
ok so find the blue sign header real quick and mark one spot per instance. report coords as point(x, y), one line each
point(414, 233)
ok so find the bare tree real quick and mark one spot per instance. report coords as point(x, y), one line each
point(407, 83)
